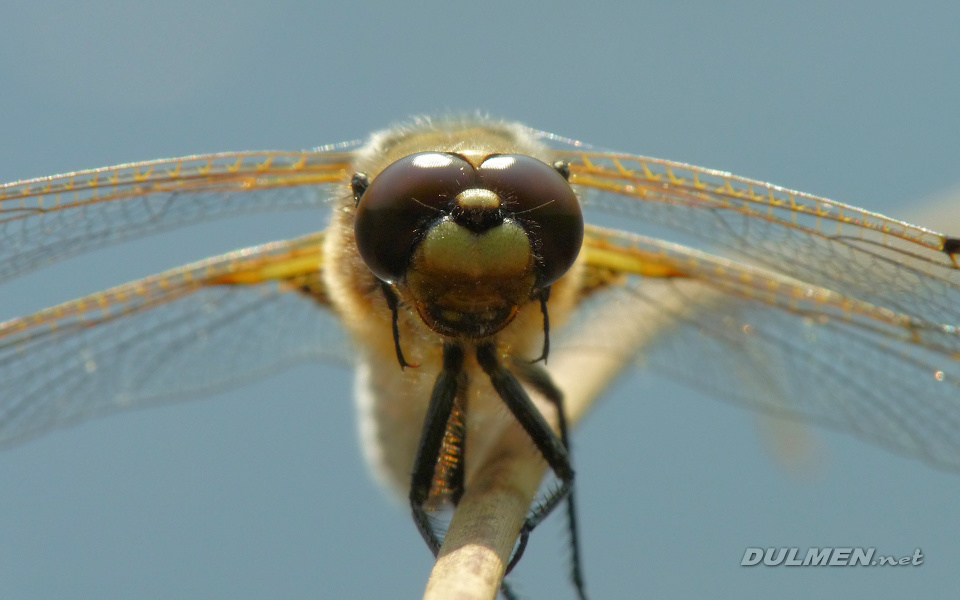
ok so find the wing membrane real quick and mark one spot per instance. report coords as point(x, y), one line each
point(782, 346)
point(182, 333)
point(863, 255)
point(45, 220)
point(820, 311)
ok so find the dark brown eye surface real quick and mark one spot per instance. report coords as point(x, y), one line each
point(404, 197)
point(543, 201)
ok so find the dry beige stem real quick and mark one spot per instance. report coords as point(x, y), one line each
point(487, 522)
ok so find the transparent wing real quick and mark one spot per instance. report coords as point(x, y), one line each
point(863, 255)
point(48, 219)
point(182, 333)
point(848, 318)
point(779, 345)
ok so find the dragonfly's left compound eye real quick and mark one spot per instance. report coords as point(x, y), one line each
point(400, 201)
point(540, 198)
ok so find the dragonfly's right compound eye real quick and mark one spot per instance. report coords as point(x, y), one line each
point(400, 202)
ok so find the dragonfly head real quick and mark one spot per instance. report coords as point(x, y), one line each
point(468, 239)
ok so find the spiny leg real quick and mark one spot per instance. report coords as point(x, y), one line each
point(393, 303)
point(543, 296)
point(551, 447)
point(449, 476)
point(543, 383)
point(442, 400)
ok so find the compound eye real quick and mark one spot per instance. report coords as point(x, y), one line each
point(542, 200)
point(405, 196)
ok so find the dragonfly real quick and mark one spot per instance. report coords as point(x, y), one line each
point(780, 301)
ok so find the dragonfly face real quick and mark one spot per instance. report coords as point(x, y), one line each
point(807, 300)
point(468, 240)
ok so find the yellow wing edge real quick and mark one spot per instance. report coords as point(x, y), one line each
point(295, 264)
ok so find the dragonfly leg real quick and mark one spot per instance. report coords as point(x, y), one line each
point(542, 382)
point(393, 303)
point(442, 401)
point(552, 447)
point(543, 296)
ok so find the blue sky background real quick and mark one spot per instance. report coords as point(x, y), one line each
point(261, 492)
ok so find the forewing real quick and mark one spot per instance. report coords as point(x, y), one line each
point(183, 333)
point(48, 219)
point(863, 255)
